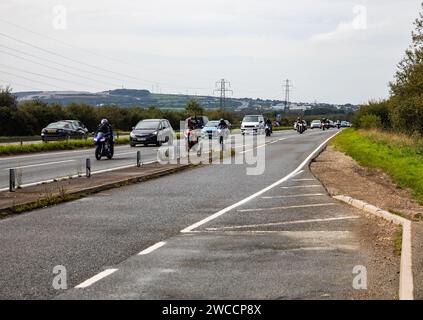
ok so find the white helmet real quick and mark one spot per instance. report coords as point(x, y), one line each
point(104, 121)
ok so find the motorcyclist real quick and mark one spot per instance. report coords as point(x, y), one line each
point(106, 128)
point(222, 124)
point(269, 124)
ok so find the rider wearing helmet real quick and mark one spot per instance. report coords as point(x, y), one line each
point(106, 128)
point(269, 124)
point(222, 124)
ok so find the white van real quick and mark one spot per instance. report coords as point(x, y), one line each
point(252, 124)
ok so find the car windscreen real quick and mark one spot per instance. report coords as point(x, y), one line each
point(147, 125)
point(60, 125)
point(251, 119)
point(211, 124)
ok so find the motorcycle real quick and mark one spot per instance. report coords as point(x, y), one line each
point(338, 125)
point(300, 127)
point(103, 147)
point(268, 130)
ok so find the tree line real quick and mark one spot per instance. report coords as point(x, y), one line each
point(30, 117)
point(403, 110)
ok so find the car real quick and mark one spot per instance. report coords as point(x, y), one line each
point(63, 130)
point(210, 130)
point(79, 125)
point(316, 124)
point(252, 124)
point(344, 124)
point(151, 131)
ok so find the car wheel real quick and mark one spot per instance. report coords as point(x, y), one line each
point(132, 145)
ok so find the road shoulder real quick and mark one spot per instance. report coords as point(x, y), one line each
point(341, 175)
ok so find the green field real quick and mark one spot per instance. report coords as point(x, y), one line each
point(400, 156)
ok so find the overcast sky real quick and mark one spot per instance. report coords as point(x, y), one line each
point(335, 51)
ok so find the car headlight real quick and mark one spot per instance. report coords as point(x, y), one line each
point(155, 133)
point(132, 135)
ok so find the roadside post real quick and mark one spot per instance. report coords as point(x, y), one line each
point(138, 159)
point(12, 180)
point(88, 168)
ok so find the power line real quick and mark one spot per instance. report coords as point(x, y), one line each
point(90, 65)
point(42, 75)
point(28, 79)
point(19, 84)
point(57, 63)
point(57, 69)
point(73, 60)
point(221, 87)
point(97, 54)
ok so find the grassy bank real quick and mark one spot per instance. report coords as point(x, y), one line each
point(51, 146)
point(398, 155)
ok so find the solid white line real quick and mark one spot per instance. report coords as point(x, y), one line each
point(296, 195)
point(289, 207)
point(76, 176)
point(259, 193)
point(96, 278)
point(284, 223)
point(298, 187)
point(41, 154)
point(40, 164)
point(298, 180)
point(152, 248)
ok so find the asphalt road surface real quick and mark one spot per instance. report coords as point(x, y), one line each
point(289, 241)
point(50, 165)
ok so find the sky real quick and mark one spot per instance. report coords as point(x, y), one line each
point(334, 51)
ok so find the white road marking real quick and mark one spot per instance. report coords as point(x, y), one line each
point(76, 176)
point(40, 164)
point(152, 248)
point(289, 207)
point(284, 223)
point(43, 154)
point(306, 186)
point(259, 193)
point(298, 180)
point(263, 145)
point(96, 278)
point(296, 196)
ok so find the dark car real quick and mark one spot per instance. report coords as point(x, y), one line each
point(79, 125)
point(152, 131)
point(63, 130)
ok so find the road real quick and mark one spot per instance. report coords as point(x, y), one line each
point(290, 240)
point(50, 165)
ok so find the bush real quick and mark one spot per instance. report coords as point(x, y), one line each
point(370, 121)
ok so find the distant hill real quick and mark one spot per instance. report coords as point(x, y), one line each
point(144, 98)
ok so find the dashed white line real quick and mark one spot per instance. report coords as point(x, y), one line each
point(152, 248)
point(284, 223)
point(296, 196)
point(306, 186)
point(289, 207)
point(259, 193)
point(96, 278)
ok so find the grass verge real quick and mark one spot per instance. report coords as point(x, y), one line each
point(399, 156)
